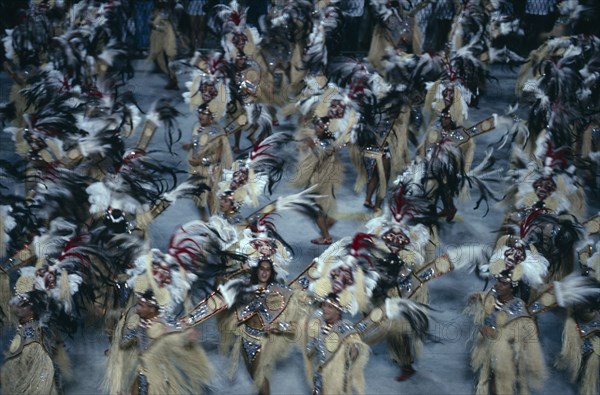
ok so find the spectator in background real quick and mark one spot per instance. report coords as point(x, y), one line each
point(197, 10)
point(439, 25)
point(142, 12)
point(539, 18)
point(354, 11)
point(256, 9)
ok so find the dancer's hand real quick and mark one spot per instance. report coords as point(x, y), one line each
point(475, 297)
point(489, 332)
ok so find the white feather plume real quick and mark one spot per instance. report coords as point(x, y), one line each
point(575, 289)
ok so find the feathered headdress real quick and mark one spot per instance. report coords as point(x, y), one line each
point(137, 182)
point(266, 245)
point(229, 22)
point(549, 179)
point(209, 84)
point(516, 260)
point(160, 273)
point(345, 269)
point(58, 274)
point(260, 172)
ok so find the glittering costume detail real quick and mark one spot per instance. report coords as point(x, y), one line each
point(536, 307)
point(427, 274)
point(587, 328)
point(250, 348)
point(142, 384)
point(587, 347)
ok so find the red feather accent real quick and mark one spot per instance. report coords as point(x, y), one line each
point(260, 150)
point(398, 206)
point(526, 224)
point(360, 241)
point(558, 158)
point(236, 18)
point(263, 223)
point(72, 244)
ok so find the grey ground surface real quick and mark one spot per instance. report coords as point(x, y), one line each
point(443, 367)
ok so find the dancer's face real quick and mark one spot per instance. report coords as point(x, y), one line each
point(205, 117)
point(331, 314)
point(264, 272)
point(503, 288)
point(146, 310)
point(341, 278)
point(225, 205)
point(21, 307)
point(544, 187)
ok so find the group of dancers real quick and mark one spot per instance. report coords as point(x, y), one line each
point(79, 201)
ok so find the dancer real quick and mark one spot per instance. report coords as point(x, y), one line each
point(334, 354)
point(208, 154)
point(163, 42)
point(320, 166)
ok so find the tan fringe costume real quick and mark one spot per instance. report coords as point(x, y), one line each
point(580, 353)
point(327, 357)
point(277, 305)
point(156, 358)
point(512, 361)
point(210, 146)
point(163, 43)
point(320, 166)
point(28, 365)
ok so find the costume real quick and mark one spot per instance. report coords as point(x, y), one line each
point(208, 155)
point(152, 353)
point(509, 361)
point(240, 43)
point(262, 320)
point(447, 148)
point(506, 352)
point(320, 166)
point(209, 84)
point(329, 361)
point(36, 361)
point(30, 352)
point(163, 42)
point(580, 352)
point(156, 356)
point(402, 241)
point(395, 30)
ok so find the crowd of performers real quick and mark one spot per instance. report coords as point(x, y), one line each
point(78, 202)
